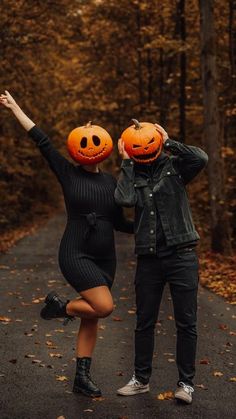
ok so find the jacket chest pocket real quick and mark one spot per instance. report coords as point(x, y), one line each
point(142, 191)
point(170, 184)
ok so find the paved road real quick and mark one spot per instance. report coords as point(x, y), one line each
point(29, 372)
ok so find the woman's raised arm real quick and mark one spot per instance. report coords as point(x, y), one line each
point(59, 164)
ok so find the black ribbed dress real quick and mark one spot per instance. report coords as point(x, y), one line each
point(87, 256)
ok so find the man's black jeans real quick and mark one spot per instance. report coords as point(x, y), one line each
point(180, 270)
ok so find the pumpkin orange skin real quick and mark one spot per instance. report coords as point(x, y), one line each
point(143, 144)
point(89, 144)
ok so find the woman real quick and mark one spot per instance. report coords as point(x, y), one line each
point(87, 252)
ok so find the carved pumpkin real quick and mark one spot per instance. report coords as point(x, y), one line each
point(142, 141)
point(89, 144)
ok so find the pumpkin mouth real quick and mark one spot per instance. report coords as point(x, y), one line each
point(94, 156)
point(144, 157)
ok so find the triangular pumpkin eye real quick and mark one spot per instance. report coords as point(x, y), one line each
point(136, 146)
point(83, 142)
point(151, 141)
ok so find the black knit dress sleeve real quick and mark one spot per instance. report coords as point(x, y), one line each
point(59, 164)
point(121, 223)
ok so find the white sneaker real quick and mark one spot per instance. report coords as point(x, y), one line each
point(184, 393)
point(133, 387)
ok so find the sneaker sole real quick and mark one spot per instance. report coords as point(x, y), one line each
point(182, 400)
point(133, 393)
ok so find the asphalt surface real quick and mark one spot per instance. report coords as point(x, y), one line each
point(30, 374)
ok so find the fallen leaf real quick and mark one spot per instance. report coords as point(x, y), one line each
point(217, 374)
point(233, 379)
point(201, 386)
point(61, 417)
point(171, 360)
point(117, 319)
point(101, 327)
point(120, 373)
point(204, 361)
point(131, 311)
point(223, 326)
point(36, 301)
point(13, 361)
point(36, 361)
point(55, 355)
point(29, 356)
point(98, 399)
point(88, 410)
point(61, 378)
point(5, 319)
point(167, 395)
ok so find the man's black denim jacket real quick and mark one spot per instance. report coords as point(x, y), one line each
point(163, 191)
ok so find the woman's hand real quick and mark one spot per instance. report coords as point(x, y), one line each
point(161, 130)
point(121, 148)
point(7, 100)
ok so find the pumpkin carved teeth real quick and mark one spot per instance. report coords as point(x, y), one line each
point(94, 156)
point(146, 156)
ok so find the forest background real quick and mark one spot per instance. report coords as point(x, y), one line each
point(171, 61)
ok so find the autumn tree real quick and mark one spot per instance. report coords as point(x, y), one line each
point(213, 131)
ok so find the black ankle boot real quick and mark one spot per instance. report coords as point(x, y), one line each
point(55, 308)
point(83, 382)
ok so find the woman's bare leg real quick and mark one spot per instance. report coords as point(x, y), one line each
point(87, 336)
point(95, 303)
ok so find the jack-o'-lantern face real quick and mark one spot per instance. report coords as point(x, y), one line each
point(89, 144)
point(142, 142)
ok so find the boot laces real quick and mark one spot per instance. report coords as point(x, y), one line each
point(186, 387)
point(67, 320)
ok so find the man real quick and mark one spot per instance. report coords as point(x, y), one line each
point(165, 240)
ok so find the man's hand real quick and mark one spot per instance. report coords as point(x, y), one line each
point(7, 100)
point(161, 130)
point(121, 148)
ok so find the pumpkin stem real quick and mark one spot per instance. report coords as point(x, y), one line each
point(89, 124)
point(136, 124)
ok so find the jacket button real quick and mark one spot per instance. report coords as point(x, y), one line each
point(150, 194)
point(152, 212)
point(151, 249)
point(151, 231)
point(168, 173)
point(135, 184)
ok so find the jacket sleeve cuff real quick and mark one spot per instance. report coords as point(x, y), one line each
point(127, 163)
point(170, 144)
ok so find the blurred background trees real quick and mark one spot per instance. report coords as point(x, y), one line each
point(67, 62)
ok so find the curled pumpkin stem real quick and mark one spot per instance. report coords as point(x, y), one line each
point(89, 124)
point(136, 124)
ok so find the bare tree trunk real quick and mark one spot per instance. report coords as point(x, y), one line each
point(182, 80)
point(139, 60)
point(150, 75)
point(232, 39)
point(220, 230)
